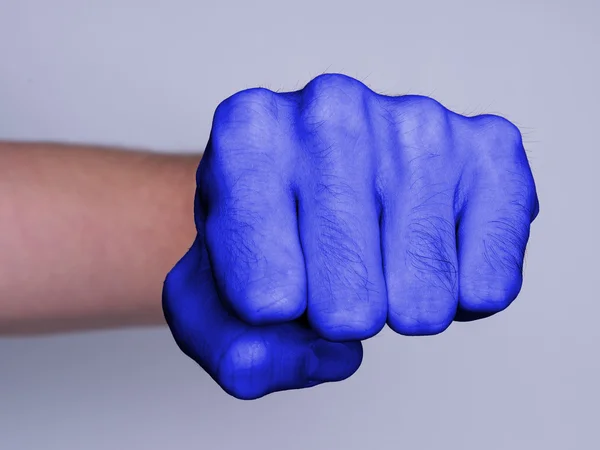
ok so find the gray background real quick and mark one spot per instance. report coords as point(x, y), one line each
point(150, 73)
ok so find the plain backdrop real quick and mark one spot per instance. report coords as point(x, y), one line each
point(150, 73)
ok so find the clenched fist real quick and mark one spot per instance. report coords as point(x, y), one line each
point(325, 213)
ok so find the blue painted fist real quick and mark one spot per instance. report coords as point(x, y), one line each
point(325, 213)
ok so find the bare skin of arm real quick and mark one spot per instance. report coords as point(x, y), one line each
point(88, 234)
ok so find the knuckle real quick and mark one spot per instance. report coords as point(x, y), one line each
point(244, 367)
point(498, 150)
point(333, 102)
point(423, 114)
point(335, 86)
point(497, 135)
point(244, 149)
point(244, 118)
point(428, 108)
point(248, 106)
point(423, 128)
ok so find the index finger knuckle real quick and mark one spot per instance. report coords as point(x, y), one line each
point(244, 137)
point(246, 117)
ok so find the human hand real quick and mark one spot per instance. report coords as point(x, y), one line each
point(353, 209)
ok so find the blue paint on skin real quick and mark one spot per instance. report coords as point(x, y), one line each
point(325, 213)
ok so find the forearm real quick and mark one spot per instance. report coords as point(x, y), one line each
point(87, 235)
